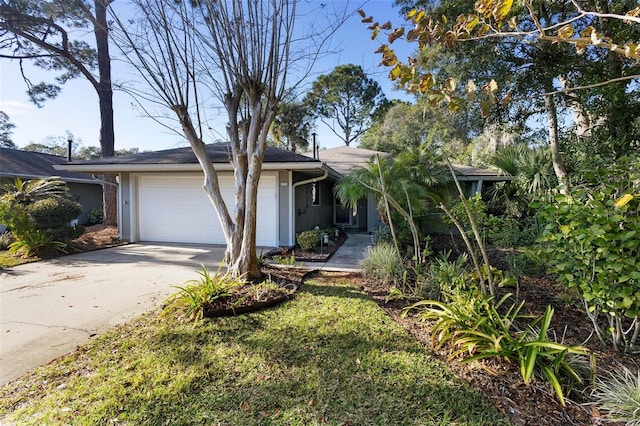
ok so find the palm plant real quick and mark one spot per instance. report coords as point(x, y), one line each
point(400, 186)
point(16, 199)
point(26, 192)
point(532, 169)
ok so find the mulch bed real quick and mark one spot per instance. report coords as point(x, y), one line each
point(316, 255)
point(96, 237)
point(500, 382)
point(248, 299)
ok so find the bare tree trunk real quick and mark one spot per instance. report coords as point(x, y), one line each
point(105, 99)
point(554, 144)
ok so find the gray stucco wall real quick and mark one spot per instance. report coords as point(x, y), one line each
point(307, 215)
point(284, 209)
point(124, 207)
point(88, 195)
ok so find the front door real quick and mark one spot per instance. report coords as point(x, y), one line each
point(345, 215)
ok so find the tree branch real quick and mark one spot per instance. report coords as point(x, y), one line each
point(591, 86)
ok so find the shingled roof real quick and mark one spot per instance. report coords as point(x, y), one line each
point(32, 165)
point(344, 159)
point(218, 152)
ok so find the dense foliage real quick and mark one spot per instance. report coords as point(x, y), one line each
point(39, 214)
point(593, 248)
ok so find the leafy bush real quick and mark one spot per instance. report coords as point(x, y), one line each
point(442, 274)
point(94, 217)
point(619, 397)
point(67, 233)
point(383, 263)
point(194, 297)
point(38, 212)
point(310, 240)
point(498, 231)
point(51, 213)
point(476, 328)
point(594, 248)
point(35, 243)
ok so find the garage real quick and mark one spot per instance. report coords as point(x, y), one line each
point(174, 208)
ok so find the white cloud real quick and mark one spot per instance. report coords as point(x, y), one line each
point(15, 108)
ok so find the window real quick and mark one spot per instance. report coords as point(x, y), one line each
point(315, 194)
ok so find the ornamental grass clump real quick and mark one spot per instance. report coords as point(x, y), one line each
point(619, 397)
point(383, 263)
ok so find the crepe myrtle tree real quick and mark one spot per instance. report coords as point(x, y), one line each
point(193, 55)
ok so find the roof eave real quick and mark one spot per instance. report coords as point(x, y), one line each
point(64, 178)
point(496, 178)
point(120, 168)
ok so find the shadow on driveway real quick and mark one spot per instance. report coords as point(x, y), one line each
point(49, 308)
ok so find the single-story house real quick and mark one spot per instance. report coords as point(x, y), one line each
point(161, 197)
point(26, 165)
point(364, 216)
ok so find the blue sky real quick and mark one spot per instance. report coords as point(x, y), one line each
point(76, 109)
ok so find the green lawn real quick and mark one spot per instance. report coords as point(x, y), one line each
point(330, 356)
point(7, 260)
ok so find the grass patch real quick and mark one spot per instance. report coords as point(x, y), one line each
point(7, 260)
point(330, 356)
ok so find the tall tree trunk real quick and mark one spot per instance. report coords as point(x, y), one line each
point(554, 143)
point(105, 99)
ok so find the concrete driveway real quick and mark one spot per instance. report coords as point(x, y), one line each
point(49, 308)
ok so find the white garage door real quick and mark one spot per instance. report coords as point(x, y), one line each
point(176, 209)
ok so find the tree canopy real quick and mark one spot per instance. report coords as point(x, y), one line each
point(517, 61)
point(346, 100)
point(6, 128)
point(292, 126)
point(50, 34)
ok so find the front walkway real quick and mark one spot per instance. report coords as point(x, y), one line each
point(348, 257)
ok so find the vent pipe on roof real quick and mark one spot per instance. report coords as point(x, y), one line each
point(69, 149)
point(315, 153)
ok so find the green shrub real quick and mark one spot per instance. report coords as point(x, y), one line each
point(36, 243)
point(594, 247)
point(619, 397)
point(38, 213)
point(51, 213)
point(310, 240)
point(383, 263)
point(67, 233)
point(94, 217)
